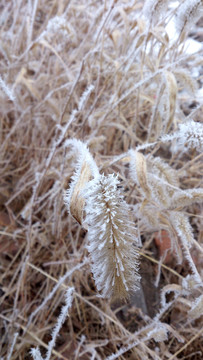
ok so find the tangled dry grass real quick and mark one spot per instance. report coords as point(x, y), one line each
point(106, 73)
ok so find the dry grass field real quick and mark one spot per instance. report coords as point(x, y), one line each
point(101, 139)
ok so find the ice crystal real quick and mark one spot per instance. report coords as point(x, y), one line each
point(190, 135)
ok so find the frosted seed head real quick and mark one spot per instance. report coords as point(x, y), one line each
point(187, 14)
point(114, 260)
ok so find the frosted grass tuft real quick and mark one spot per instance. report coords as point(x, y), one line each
point(114, 268)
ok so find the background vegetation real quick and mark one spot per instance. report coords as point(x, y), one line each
point(108, 74)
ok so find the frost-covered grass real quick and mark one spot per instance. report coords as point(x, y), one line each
point(102, 109)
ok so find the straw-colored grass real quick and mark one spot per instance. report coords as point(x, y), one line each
point(104, 73)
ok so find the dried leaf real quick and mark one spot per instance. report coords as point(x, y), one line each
point(139, 170)
point(77, 201)
point(86, 169)
point(197, 309)
point(4, 219)
point(172, 90)
point(163, 242)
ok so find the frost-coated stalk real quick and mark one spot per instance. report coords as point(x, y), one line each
point(35, 352)
point(6, 89)
point(111, 238)
point(60, 320)
point(54, 290)
point(12, 346)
